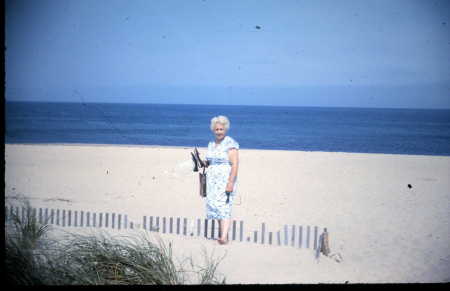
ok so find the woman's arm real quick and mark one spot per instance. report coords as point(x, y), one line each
point(233, 155)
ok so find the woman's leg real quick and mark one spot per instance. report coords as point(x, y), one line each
point(224, 225)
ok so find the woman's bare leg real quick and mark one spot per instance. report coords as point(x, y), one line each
point(224, 225)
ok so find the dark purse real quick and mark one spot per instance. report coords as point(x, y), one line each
point(202, 176)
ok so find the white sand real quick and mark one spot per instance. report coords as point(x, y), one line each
point(384, 231)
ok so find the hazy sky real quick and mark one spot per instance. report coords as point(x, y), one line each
point(393, 53)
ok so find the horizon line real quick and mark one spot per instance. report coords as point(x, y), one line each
point(215, 104)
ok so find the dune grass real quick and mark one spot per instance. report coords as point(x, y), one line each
point(33, 258)
point(22, 258)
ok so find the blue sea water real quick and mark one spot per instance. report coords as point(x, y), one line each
point(358, 130)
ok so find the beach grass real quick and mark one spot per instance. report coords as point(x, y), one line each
point(23, 242)
point(34, 258)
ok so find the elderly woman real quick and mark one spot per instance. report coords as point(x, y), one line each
point(223, 160)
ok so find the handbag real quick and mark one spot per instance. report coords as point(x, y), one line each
point(202, 176)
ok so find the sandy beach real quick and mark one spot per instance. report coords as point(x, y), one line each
point(383, 230)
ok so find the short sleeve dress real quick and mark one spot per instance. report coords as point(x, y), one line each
point(217, 175)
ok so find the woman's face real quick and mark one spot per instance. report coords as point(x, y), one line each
point(219, 131)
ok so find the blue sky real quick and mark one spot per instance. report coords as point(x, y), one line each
point(300, 53)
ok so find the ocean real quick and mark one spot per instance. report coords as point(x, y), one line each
point(355, 130)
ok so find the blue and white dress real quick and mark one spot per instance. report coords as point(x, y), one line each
point(217, 175)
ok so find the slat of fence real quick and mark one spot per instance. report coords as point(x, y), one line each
point(241, 230)
point(263, 232)
point(213, 228)
point(106, 219)
point(82, 218)
point(300, 234)
point(88, 219)
point(315, 237)
point(100, 219)
point(57, 216)
point(293, 236)
point(286, 235)
point(52, 216)
point(69, 218)
point(308, 230)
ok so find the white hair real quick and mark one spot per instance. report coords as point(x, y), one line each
point(222, 120)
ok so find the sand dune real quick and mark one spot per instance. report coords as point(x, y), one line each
point(384, 230)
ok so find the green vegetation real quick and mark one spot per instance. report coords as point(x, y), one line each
point(33, 258)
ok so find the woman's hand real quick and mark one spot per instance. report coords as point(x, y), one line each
point(229, 187)
point(234, 159)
